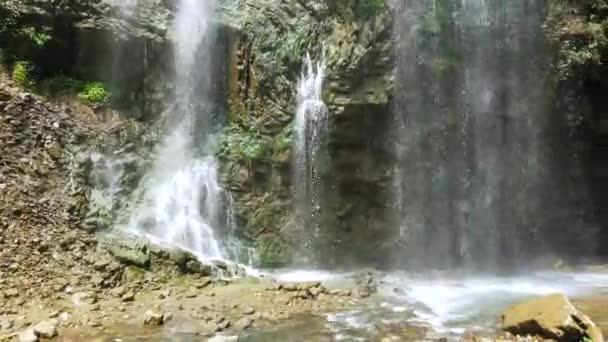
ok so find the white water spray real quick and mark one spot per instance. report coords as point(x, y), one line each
point(184, 202)
point(311, 135)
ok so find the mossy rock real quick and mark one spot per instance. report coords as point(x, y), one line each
point(272, 252)
point(132, 274)
point(129, 251)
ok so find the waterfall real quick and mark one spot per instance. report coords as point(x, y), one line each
point(126, 7)
point(184, 205)
point(310, 146)
point(476, 185)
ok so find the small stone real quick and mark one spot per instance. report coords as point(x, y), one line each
point(54, 314)
point(153, 318)
point(81, 298)
point(167, 317)
point(249, 311)
point(11, 293)
point(128, 297)
point(95, 307)
point(206, 282)
point(95, 324)
point(47, 329)
point(6, 324)
point(27, 335)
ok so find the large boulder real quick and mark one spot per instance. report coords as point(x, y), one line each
point(551, 317)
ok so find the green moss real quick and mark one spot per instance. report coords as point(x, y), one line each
point(272, 252)
point(61, 85)
point(240, 144)
point(94, 93)
point(22, 74)
point(370, 7)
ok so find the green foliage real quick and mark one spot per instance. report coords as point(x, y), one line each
point(241, 144)
point(580, 33)
point(272, 252)
point(94, 93)
point(61, 85)
point(39, 36)
point(22, 74)
point(375, 4)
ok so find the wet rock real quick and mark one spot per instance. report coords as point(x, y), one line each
point(46, 329)
point(223, 325)
point(309, 285)
point(153, 318)
point(243, 323)
point(129, 251)
point(363, 291)
point(341, 292)
point(551, 317)
point(316, 291)
point(195, 266)
point(27, 335)
point(290, 287)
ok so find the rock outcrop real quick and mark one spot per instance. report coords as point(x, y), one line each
point(269, 44)
point(550, 317)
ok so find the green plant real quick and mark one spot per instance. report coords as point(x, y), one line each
point(22, 74)
point(373, 5)
point(39, 37)
point(61, 85)
point(94, 93)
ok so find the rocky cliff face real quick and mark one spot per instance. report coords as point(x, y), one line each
point(268, 50)
point(264, 42)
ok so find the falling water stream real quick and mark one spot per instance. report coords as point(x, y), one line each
point(310, 146)
point(184, 205)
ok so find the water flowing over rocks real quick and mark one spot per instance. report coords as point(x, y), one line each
point(551, 317)
point(72, 173)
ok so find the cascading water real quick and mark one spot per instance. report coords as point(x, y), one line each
point(476, 181)
point(184, 204)
point(310, 147)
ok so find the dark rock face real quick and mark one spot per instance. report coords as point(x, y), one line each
point(267, 58)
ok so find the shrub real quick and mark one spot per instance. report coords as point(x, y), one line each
point(22, 74)
point(94, 93)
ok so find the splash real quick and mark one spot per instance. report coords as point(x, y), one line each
point(184, 205)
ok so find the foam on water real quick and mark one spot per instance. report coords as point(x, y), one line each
point(305, 276)
point(455, 304)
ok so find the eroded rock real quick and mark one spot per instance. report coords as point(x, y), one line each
point(27, 335)
point(47, 329)
point(551, 317)
point(153, 318)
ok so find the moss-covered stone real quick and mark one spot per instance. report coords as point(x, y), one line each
point(272, 252)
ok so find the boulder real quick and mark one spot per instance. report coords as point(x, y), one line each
point(198, 267)
point(550, 317)
point(46, 329)
point(130, 251)
point(153, 318)
point(27, 335)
